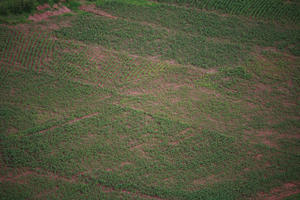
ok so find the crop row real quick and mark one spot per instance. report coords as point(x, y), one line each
point(27, 52)
point(38, 53)
point(270, 9)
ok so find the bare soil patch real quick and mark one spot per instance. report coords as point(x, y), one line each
point(205, 180)
point(97, 11)
point(134, 93)
point(140, 149)
point(185, 136)
point(258, 156)
point(264, 137)
point(42, 16)
point(282, 192)
point(43, 7)
point(125, 163)
point(12, 130)
point(268, 142)
point(265, 133)
point(96, 54)
point(19, 178)
point(260, 87)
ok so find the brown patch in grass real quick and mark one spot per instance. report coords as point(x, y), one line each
point(134, 93)
point(268, 142)
point(16, 178)
point(73, 179)
point(260, 87)
point(43, 7)
point(46, 192)
point(258, 156)
point(12, 66)
point(209, 91)
point(19, 178)
point(83, 117)
point(185, 136)
point(88, 139)
point(265, 133)
point(12, 130)
point(106, 189)
point(289, 104)
point(283, 90)
point(219, 40)
point(54, 25)
point(211, 71)
point(96, 54)
point(251, 105)
point(267, 137)
point(44, 27)
point(173, 86)
point(125, 163)
point(175, 100)
point(259, 51)
point(43, 16)
point(184, 131)
point(93, 9)
point(205, 180)
point(139, 148)
point(174, 143)
point(12, 92)
point(275, 50)
point(280, 193)
point(290, 83)
point(199, 182)
point(154, 26)
point(297, 136)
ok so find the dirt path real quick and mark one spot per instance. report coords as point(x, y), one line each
point(42, 16)
point(69, 122)
point(97, 11)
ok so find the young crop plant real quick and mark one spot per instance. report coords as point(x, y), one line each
point(144, 99)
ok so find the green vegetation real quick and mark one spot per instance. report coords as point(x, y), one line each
point(8, 7)
point(148, 100)
point(269, 9)
point(18, 11)
point(16, 6)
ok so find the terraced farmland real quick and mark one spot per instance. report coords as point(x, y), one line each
point(152, 100)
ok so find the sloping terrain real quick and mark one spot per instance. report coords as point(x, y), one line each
point(150, 100)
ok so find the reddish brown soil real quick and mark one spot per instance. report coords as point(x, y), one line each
point(282, 192)
point(265, 133)
point(93, 9)
point(43, 7)
point(42, 16)
point(260, 87)
point(19, 178)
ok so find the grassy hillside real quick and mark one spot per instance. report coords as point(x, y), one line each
point(151, 100)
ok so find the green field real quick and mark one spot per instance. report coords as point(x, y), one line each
point(140, 99)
